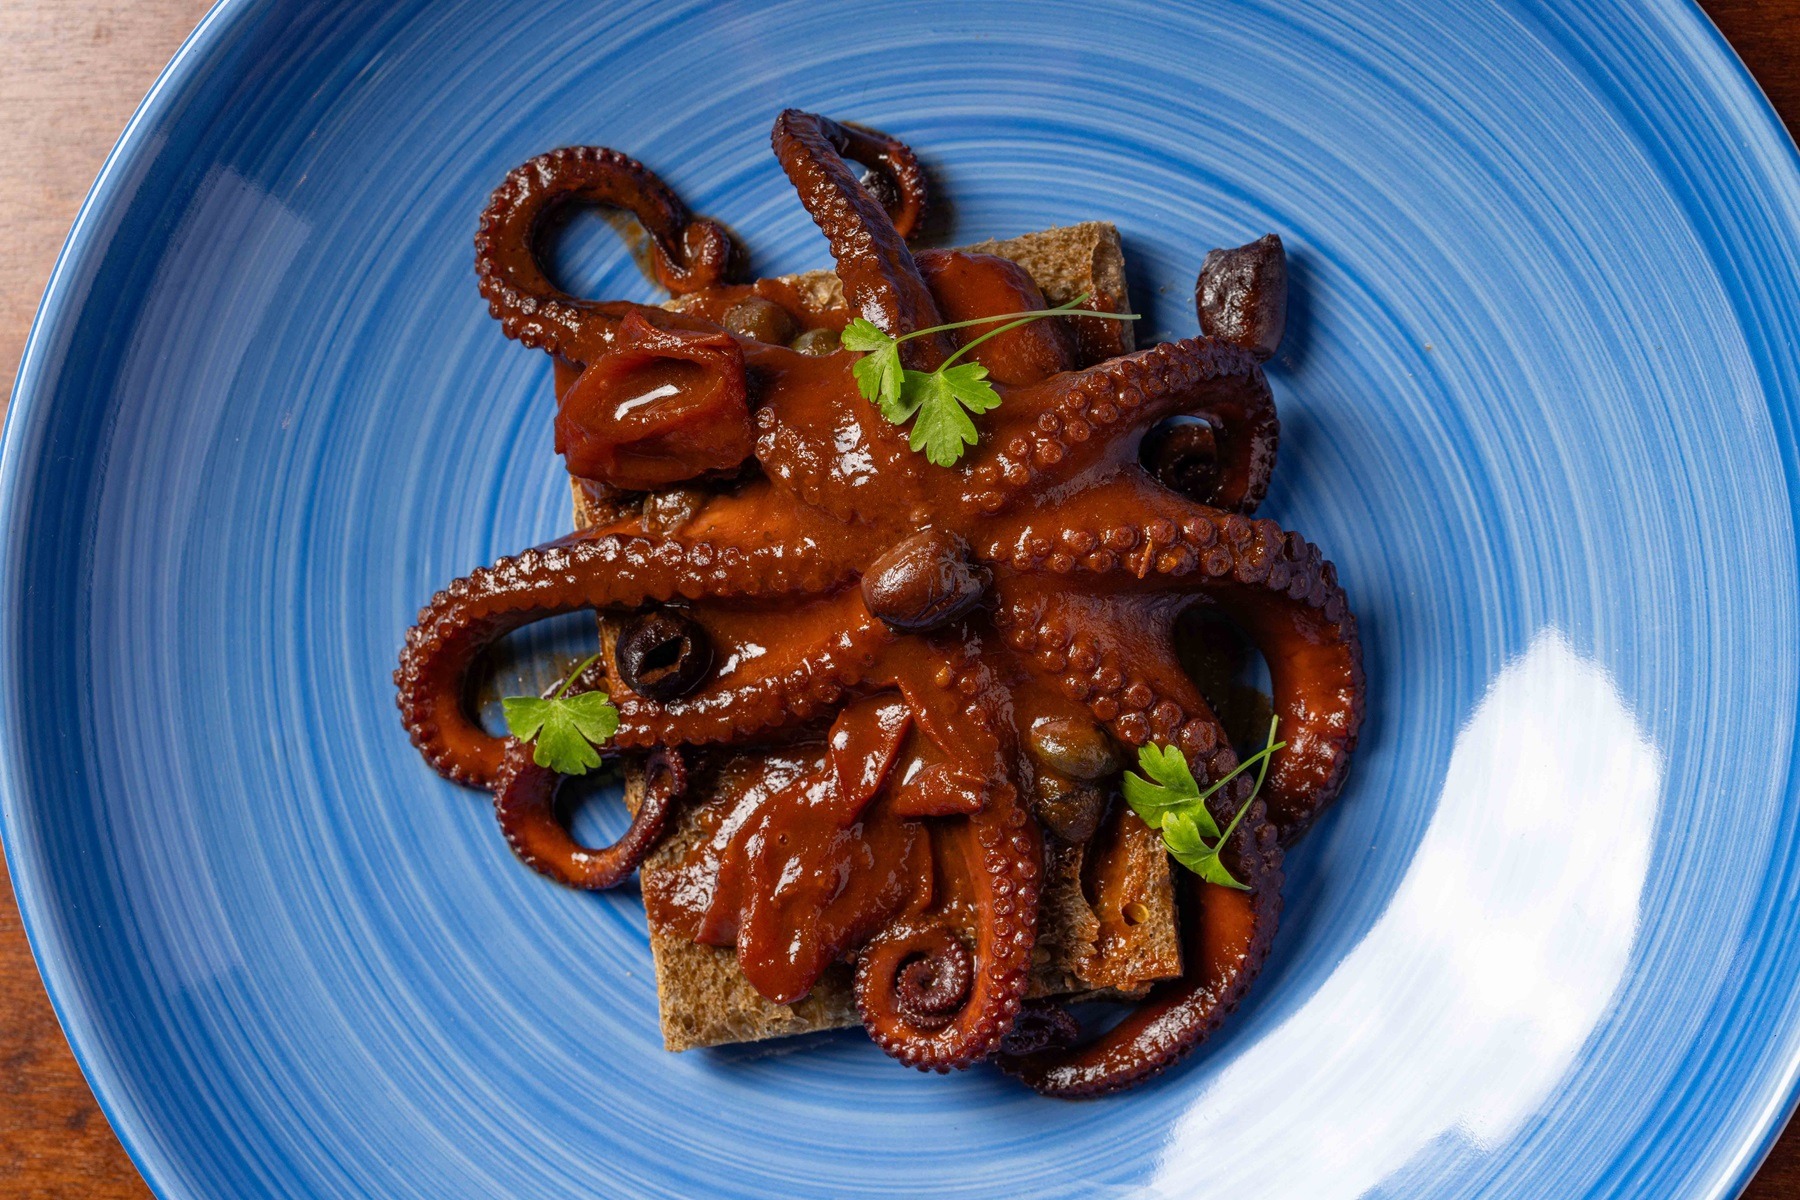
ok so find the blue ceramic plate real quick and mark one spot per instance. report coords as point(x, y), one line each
point(1539, 403)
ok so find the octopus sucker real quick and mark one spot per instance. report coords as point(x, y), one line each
point(873, 698)
point(1086, 424)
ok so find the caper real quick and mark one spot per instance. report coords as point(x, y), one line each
point(764, 320)
point(1069, 809)
point(1073, 747)
point(817, 342)
point(666, 511)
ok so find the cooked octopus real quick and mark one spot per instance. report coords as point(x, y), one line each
point(979, 645)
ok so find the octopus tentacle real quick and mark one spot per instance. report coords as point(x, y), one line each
point(999, 852)
point(1116, 657)
point(835, 644)
point(902, 187)
point(881, 281)
point(1091, 421)
point(930, 988)
point(1225, 939)
point(612, 571)
point(687, 253)
point(1241, 295)
point(1098, 651)
point(525, 804)
point(1274, 584)
point(1247, 433)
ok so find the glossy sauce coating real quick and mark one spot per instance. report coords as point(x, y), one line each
point(808, 851)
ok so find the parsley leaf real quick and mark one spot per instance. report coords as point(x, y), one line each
point(863, 334)
point(1182, 837)
point(878, 373)
point(945, 398)
point(900, 407)
point(563, 729)
point(1166, 787)
point(1167, 798)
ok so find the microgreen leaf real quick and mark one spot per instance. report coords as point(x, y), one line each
point(900, 407)
point(1167, 798)
point(1182, 836)
point(563, 730)
point(593, 715)
point(942, 399)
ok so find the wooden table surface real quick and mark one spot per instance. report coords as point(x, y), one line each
point(70, 75)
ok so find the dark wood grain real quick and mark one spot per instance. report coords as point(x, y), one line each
point(53, 1140)
point(1766, 35)
point(70, 74)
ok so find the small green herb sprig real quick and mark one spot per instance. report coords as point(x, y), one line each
point(564, 730)
point(1167, 798)
point(939, 403)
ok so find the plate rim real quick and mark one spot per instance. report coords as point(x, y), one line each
point(80, 1024)
point(32, 891)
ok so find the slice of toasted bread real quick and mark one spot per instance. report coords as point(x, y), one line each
point(1106, 924)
